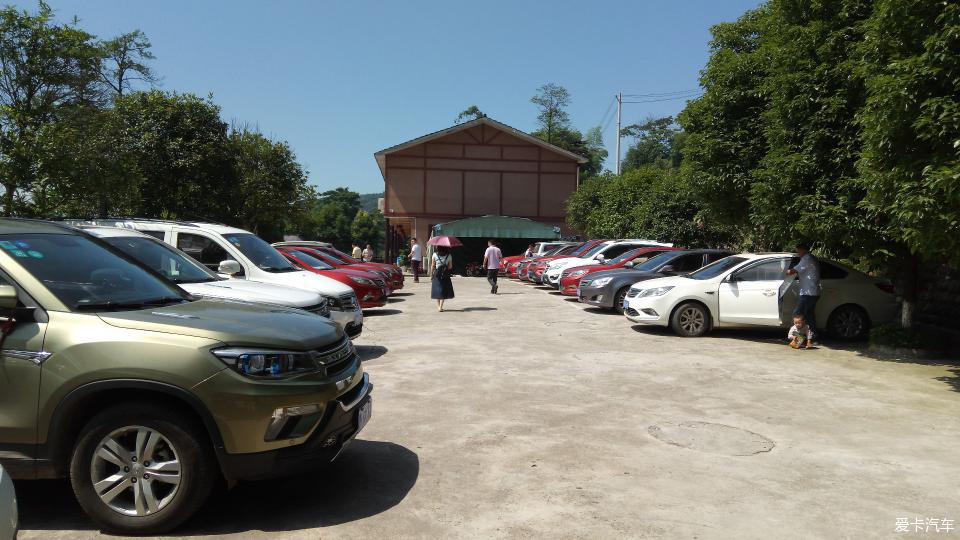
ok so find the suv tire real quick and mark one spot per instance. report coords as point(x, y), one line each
point(141, 469)
point(690, 320)
point(619, 298)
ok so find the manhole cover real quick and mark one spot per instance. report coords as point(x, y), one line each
point(712, 438)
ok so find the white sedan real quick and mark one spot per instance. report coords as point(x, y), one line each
point(754, 289)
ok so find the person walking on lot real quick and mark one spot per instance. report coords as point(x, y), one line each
point(356, 253)
point(416, 259)
point(491, 262)
point(807, 271)
point(368, 254)
point(440, 268)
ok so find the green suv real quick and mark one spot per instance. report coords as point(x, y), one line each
point(145, 396)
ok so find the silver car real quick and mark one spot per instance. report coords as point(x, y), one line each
point(8, 507)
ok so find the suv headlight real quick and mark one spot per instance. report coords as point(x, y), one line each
point(656, 291)
point(600, 282)
point(361, 280)
point(265, 363)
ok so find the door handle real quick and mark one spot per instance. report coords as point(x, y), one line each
point(769, 292)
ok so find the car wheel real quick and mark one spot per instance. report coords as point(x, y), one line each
point(848, 323)
point(619, 298)
point(141, 469)
point(690, 320)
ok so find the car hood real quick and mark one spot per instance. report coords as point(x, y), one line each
point(670, 281)
point(359, 272)
point(252, 291)
point(234, 323)
point(616, 273)
point(569, 261)
point(311, 282)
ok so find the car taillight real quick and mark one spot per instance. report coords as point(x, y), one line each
point(886, 287)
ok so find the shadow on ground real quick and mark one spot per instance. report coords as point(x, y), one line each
point(379, 312)
point(469, 309)
point(393, 300)
point(401, 294)
point(369, 478)
point(370, 352)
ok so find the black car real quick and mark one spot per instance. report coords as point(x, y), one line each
point(608, 288)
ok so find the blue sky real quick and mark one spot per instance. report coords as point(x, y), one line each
point(341, 80)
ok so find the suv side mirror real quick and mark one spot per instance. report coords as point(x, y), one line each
point(8, 297)
point(732, 278)
point(630, 264)
point(668, 269)
point(229, 267)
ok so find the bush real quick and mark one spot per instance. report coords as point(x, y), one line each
point(896, 336)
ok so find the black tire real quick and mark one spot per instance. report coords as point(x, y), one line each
point(183, 445)
point(849, 323)
point(619, 298)
point(690, 320)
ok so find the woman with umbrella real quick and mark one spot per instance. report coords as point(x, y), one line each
point(441, 266)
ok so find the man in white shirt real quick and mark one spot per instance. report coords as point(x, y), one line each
point(416, 259)
point(808, 272)
point(491, 262)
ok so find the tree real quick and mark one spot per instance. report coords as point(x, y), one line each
point(126, 58)
point(347, 201)
point(272, 184)
point(368, 228)
point(552, 100)
point(654, 144)
point(470, 113)
point(910, 163)
point(43, 68)
point(596, 153)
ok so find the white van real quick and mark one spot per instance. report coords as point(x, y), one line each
point(199, 280)
point(241, 254)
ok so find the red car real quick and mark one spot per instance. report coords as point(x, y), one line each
point(570, 278)
point(537, 266)
point(371, 290)
point(390, 272)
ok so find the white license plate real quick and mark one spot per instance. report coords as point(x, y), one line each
point(363, 415)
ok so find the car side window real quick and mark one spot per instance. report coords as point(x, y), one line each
point(203, 249)
point(829, 271)
point(159, 235)
point(616, 251)
point(713, 257)
point(767, 271)
point(687, 263)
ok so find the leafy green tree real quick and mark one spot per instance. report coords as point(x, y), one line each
point(470, 113)
point(655, 143)
point(910, 163)
point(368, 228)
point(331, 224)
point(44, 67)
point(126, 60)
point(596, 153)
point(347, 201)
point(184, 156)
point(272, 184)
point(552, 100)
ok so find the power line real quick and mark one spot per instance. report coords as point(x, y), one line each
point(690, 96)
point(662, 94)
point(654, 97)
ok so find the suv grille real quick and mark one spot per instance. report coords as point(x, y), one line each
point(348, 302)
point(379, 282)
point(632, 293)
point(320, 309)
point(336, 358)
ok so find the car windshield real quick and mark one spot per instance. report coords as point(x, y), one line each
point(578, 249)
point(715, 269)
point(311, 261)
point(328, 255)
point(593, 251)
point(86, 275)
point(653, 262)
point(260, 253)
point(632, 254)
point(174, 265)
point(343, 257)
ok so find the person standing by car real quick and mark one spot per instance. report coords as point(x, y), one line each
point(368, 254)
point(807, 271)
point(356, 253)
point(529, 252)
point(416, 259)
point(491, 263)
point(440, 268)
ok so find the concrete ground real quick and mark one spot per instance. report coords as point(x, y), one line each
point(525, 415)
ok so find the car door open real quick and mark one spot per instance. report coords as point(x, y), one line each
point(752, 295)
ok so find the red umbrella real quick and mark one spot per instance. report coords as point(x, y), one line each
point(444, 241)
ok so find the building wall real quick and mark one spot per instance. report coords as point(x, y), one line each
point(476, 172)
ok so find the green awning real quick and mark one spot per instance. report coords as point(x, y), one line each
point(497, 227)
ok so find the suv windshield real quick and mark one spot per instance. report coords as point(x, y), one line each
point(174, 265)
point(260, 253)
point(86, 276)
point(715, 269)
point(653, 262)
point(593, 251)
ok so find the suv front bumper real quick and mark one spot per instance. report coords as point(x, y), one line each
point(338, 427)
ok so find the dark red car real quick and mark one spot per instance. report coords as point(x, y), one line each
point(570, 278)
point(390, 272)
point(370, 288)
point(537, 266)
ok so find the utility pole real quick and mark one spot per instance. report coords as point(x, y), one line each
point(619, 106)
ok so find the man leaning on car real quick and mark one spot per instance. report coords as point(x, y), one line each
point(808, 272)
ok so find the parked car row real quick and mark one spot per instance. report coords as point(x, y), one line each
point(147, 360)
point(695, 290)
